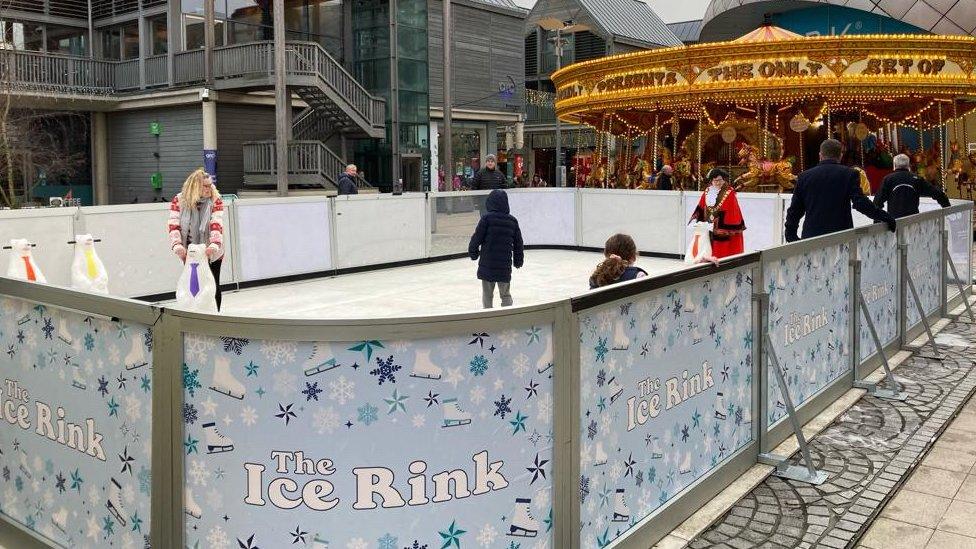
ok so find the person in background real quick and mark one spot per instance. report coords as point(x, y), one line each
point(537, 181)
point(901, 189)
point(347, 181)
point(824, 196)
point(720, 207)
point(196, 216)
point(620, 252)
point(497, 245)
point(664, 179)
point(489, 177)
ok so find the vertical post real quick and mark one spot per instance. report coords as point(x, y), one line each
point(902, 289)
point(395, 92)
point(209, 107)
point(143, 49)
point(559, 136)
point(99, 139)
point(167, 456)
point(209, 39)
point(448, 100)
point(944, 270)
point(91, 33)
point(173, 32)
point(566, 428)
point(282, 102)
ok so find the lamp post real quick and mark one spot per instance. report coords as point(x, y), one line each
point(560, 27)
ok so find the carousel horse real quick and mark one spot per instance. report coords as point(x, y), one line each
point(640, 174)
point(763, 172)
point(683, 178)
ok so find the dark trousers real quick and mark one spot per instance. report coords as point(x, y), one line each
point(215, 269)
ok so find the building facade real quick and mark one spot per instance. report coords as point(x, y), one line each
point(598, 28)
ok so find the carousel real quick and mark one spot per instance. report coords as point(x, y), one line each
point(760, 105)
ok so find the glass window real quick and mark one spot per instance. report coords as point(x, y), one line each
point(250, 11)
point(67, 40)
point(193, 37)
point(412, 44)
point(158, 35)
point(240, 33)
point(130, 41)
point(111, 43)
point(413, 75)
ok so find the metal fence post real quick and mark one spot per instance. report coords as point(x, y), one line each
point(944, 251)
point(166, 515)
point(902, 289)
point(566, 429)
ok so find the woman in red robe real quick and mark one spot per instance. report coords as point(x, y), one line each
point(719, 207)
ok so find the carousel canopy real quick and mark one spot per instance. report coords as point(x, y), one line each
point(915, 80)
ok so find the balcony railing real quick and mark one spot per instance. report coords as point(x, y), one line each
point(305, 158)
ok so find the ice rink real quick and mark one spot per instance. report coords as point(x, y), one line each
point(441, 287)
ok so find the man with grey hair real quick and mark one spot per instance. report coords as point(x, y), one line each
point(347, 180)
point(489, 177)
point(901, 189)
point(824, 196)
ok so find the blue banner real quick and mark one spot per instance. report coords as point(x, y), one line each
point(76, 394)
point(666, 397)
point(210, 163)
point(442, 442)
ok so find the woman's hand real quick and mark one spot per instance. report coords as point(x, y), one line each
point(180, 251)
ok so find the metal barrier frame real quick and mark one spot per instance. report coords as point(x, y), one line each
point(873, 360)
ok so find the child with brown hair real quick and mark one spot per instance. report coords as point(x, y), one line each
point(621, 254)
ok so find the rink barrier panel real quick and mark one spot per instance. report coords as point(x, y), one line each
point(169, 325)
point(653, 526)
point(929, 289)
point(866, 356)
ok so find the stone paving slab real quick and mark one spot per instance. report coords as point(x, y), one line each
point(867, 451)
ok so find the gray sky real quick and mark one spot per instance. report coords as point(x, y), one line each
point(669, 10)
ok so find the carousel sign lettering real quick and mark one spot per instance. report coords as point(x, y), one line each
point(765, 69)
point(879, 66)
point(638, 80)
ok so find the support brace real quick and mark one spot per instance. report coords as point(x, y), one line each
point(936, 353)
point(889, 389)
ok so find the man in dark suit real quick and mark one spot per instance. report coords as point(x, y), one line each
point(825, 195)
point(901, 189)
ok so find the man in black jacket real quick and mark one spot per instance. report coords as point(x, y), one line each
point(489, 177)
point(347, 181)
point(824, 196)
point(902, 189)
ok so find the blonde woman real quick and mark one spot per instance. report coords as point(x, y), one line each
point(196, 216)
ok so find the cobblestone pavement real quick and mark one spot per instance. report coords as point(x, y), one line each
point(868, 452)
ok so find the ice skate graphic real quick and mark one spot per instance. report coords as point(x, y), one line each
point(720, 406)
point(545, 361)
point(685, 466)
point(64, 334)
point(621, 341)
point(114, 501)
point(599, 456)
point(318, 542)
point(60, 519)
point(696, 335)
point(77, 381)
point(656, 452)
point(731, 296)
point(224, 382)
point(137, 355)
point(615, 389)
point(620, 511)
point(216, 442)
point(321, 360)
point(523, 524)
point(423, 368)
point(689, 305)
point(746, 416)
point(453, 414)
point(190, 506)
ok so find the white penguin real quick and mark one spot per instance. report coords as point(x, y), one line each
point(700, 245)
point(196, 289)
point(87, 270)
point(22, 265)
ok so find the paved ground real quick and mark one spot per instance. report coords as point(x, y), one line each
point(869, 451)
point(427, 289)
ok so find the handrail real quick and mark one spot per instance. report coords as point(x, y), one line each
point(305, 157)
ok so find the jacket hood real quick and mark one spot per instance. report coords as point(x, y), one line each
point(497, 201)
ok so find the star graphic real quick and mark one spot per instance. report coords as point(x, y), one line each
point(260, 392)
point(532, 389)
point(136, 521)
point(396, 401)
point(286, 413)
point(537, 469)
point(519, 422)
point(479, 339)
point(452, 536)
point(252, 369)
point(126, 460)
point(629, 464)
point(298, 536)
point(431, 398)
point(191, 445)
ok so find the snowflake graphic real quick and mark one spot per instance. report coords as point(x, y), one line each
point(487, 535)
point(199, 473)
point(189, 413)
point(89, 342)
point(48, 329)
point(325, 420)
point(386, 371)
point(311, 391)
point(190, 380)
point(145, 480)
point(284, 382)
point(147, 339)
point(419, 420)
point(367, 414)
point(479, 365)
point(248, 416)
point(601, 349)
point(342, 390)
point(196, 347)
point(508, 338)
point(217, 538)
point(279, 352)
point(543, 408)
point(503, 406)
point(387, 542)
point(357, 543)
point(584, 487)
point(520, 365)
point(234, 345)
point(477, 395)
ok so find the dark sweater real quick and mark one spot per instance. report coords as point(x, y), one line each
point(347, 185)
point(902, 189)
point(497, 242)
point(630, 273)
point(486, 180)
point(823, 197)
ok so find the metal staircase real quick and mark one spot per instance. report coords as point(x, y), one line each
point(311, 166)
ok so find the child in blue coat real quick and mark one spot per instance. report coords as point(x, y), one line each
point(497, 245)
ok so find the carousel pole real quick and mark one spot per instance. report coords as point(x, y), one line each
point(802, 152)
point(700, 174)
point(830, 126)
point(654, 158)
point(940, 135)
point(860, 142)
